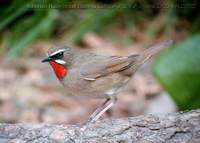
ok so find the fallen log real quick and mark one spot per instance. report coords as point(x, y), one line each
point(181, 127)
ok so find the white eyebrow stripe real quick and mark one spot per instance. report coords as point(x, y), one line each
point(56, 52)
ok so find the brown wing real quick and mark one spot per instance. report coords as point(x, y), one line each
point(105, 66)
point(108, 65)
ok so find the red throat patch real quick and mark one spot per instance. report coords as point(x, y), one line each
point(59, 70)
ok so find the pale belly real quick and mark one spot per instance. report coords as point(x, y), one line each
point(99, 88)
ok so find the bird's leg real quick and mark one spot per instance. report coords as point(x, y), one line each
point(99, 111)
point(102, 109)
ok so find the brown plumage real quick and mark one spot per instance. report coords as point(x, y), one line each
point(93, 75)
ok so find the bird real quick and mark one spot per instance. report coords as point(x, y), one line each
point(97, 76)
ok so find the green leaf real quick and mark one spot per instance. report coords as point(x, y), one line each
point(178, 70)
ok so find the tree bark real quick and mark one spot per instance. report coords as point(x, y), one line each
point(172, 128)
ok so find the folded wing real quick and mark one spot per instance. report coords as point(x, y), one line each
point(106, 66)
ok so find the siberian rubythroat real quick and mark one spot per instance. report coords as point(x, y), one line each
point(87, 74)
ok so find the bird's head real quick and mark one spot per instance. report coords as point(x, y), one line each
point(55, 57)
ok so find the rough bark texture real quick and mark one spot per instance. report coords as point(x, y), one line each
point(172, 128)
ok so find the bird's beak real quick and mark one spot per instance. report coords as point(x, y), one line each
point(46, 59)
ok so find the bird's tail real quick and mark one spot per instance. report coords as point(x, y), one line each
point(152, 50)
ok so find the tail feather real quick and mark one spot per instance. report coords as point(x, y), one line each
point(154, 49)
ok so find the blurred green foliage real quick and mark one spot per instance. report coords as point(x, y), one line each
point(25, 25)
point(22, 22)
point(39, 26)
point(94, 20)
point(178, 70)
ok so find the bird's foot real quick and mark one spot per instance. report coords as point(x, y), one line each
point(83, 126)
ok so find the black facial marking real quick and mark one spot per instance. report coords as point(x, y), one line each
point(57, 56)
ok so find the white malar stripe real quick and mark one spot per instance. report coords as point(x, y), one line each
point(58, 51)
point(60, 61)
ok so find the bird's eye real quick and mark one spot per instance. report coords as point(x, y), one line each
point(58, 55)
point(61, 54)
